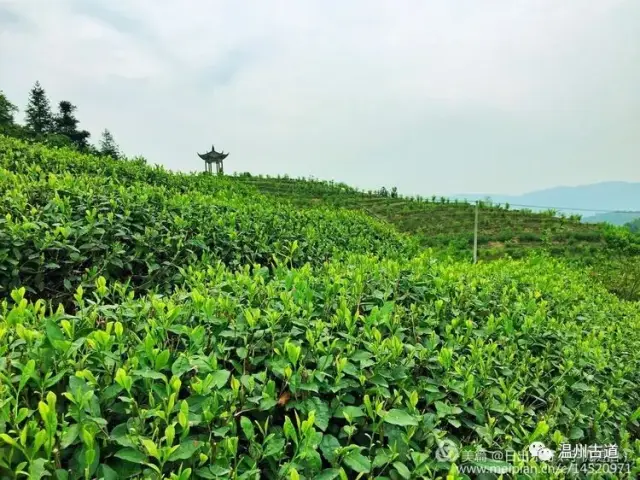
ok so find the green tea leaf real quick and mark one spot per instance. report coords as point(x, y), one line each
point(350, 411)
point(576, 433)
point(28, 370)
point(274, 446)
point(402, 469)
point(247, 428)
point(322, 416)
point(70, 436)
point(328, 474)
point(181, 366)
point(328, 447)
point(131, 455)
point(290, 430)
point(357, 462)
point(580, 387)
point(400, 417)
point(108, 473)
point(54, 332)
point(186, 450)
point(64, 474)
point(37, 469)
point(220, 378)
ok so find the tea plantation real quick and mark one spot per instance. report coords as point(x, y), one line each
point(440, 222)
point(166, 326)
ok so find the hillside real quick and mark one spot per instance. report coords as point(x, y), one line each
point(444, 223)
point(66, 211)
point(156, 325)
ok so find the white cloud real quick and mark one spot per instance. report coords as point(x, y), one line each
point(430, 96)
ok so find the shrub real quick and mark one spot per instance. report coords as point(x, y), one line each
point(360, 367)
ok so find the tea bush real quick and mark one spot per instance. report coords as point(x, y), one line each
point(438, 223)
point(355, 367)
point(58, 229)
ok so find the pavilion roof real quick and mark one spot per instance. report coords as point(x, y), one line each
point(213, 156)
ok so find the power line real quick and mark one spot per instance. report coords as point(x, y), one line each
point(573, 208)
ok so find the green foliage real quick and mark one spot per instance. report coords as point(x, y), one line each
point(59, 230)
point(38, 116)
point(57, 140)
point(168, 326)
point(349, 367)
point(620, 274)
point(439, 223)
point(7, 121)
point(634, 226)
point(7, 110)
point(42, 126)
point(108, 146)
point(502, 231)
point(65, 123)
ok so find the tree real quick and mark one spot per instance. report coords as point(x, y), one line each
point(108, 145)
point(67, 124)
point(7, 109)
point(65, 121)
point(39, 120)
point(8, 126)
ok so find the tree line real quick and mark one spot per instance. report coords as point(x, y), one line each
point(60, 128)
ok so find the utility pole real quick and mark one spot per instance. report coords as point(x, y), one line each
point(475, 236)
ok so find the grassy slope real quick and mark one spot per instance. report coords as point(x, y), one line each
point(439, 223)
point(71, 217)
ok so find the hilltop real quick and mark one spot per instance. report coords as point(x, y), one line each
point(162, 325)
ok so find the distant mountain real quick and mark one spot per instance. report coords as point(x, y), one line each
point(616, 218)
point(586, 200)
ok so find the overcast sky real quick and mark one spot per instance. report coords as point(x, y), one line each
point(448, 96)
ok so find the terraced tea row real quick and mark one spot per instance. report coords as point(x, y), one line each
point(439, 222)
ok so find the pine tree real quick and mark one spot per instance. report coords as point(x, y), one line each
point(39, 120)
point(108, 145)
point(67, 124)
